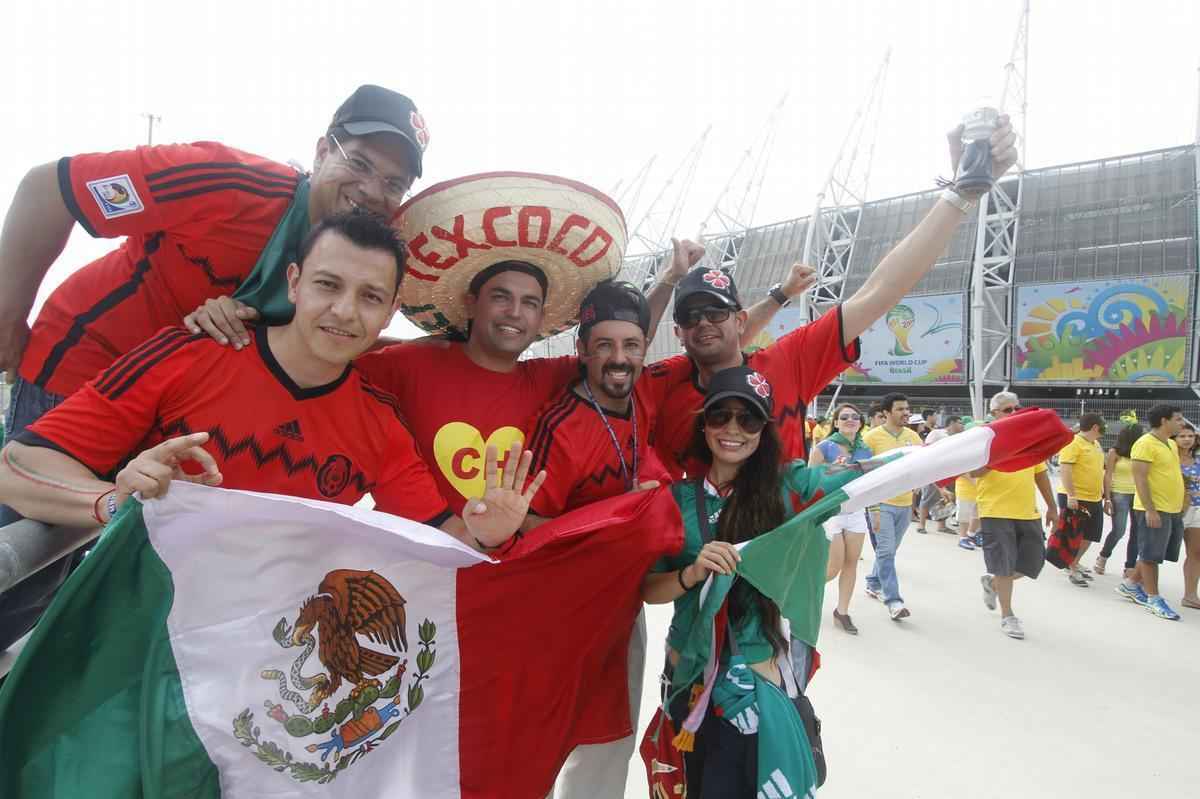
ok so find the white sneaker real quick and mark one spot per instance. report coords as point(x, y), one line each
point(897, 611)
point(989, 593)
point(1011, 626)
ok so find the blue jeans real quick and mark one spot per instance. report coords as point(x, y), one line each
point(893, 524)
point(1122, 505)
point(22, 605)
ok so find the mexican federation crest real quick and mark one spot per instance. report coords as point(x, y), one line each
point(360, 689)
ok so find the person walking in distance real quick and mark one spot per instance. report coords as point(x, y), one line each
point(883, 583)
point(1187, 441)
point(1013, 539)
point(1118, 497)
point(1082, 465)
point(1157, 508)
point(847, 530)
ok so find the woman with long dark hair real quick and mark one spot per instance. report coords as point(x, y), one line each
point(743, 492)
point(847, 530)
point(1186, 440)
point(1118, 497)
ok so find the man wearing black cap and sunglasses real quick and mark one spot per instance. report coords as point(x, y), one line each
point(710, 323)
point(198, 221)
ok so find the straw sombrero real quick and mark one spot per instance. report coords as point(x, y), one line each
point(572, 232)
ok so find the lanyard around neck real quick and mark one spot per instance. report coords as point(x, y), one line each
point(630, 475)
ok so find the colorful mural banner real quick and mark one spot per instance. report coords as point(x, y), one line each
point(920, 341)
point(1120, 331)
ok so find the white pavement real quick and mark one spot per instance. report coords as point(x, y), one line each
point(1100, 700)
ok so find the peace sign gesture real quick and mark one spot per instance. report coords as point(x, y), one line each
point(495, 517)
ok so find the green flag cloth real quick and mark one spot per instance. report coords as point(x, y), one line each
point(265, 288)
point(118, 667)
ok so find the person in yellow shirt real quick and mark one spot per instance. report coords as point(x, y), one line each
point(1082, 463)
point(894, 514)
point(1013, 538)
point(1157, 508)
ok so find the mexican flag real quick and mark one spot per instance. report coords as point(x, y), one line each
point(221, 643)
point(788, 564)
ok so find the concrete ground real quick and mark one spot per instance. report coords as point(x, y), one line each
point(1101, 699)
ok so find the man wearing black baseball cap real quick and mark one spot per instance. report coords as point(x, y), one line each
point(199, 221)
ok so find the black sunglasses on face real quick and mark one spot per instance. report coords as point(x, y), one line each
point(690, 318)
point(717, 418)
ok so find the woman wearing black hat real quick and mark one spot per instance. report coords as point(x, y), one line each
point(743, 493)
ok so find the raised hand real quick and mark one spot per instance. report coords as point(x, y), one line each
point(800, 279)
point(1004, 147)
point(152, 471)
point(685, 254)
point(719, 557)
point(493, 519)
point(224, 319)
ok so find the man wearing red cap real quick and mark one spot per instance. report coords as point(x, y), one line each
point(197, 219)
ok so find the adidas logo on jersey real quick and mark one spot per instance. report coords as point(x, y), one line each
point(290, 430)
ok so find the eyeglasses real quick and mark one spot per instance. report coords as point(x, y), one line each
point(712, 313)
point(1008, 410)
point(717, 418)
point(395, 189)
point(849, 417)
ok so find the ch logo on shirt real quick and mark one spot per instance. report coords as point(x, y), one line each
point(459, 448)
point(116, 196)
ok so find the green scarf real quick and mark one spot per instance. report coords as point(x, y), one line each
point(837, 438)
point(265, 288)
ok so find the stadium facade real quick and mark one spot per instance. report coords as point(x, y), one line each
point(1100, 314)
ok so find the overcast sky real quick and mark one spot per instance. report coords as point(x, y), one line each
point(591, 90)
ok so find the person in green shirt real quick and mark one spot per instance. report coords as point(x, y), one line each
point(744, 492)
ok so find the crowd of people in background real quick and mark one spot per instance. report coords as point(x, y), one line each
point(1147, 484)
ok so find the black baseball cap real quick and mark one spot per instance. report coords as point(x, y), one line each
point(374, 109)
point(706, 280)
point(740, 382)
point(614, 300)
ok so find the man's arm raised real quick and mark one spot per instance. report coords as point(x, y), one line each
point(800, 279)
point(35, 231)
point(911, 259)
point(684, 255)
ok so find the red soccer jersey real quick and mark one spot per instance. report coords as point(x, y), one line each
point(456, 408)
point(335, 442)
point(797, 366)
point(196, 217)
point(570, 441)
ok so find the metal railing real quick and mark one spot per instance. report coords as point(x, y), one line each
point(27, 546)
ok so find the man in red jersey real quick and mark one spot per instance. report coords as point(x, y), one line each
point(710, 322)
point(596, 433)
point(196, 219)
point(287, 415)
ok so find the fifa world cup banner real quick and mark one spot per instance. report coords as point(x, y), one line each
point(919, 341)
point(1118, 331)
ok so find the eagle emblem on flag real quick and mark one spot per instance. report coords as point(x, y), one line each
point(349, 605)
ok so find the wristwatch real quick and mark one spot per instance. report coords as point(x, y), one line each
point(777, 294)
point(957, 200)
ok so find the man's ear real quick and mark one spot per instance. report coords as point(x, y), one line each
point(321, 152)
point(293, 279)
point(742, 317)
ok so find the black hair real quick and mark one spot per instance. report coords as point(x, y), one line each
point(500, 267)
point(1089, 420)
point(852, 407)
point(890, 400)
point(925, 414)
point(362, 228)
point(875, 408)
point(1188, 426)
point(1162, 412)
point(951, 420)
point(755, 506)
point(1127, 438)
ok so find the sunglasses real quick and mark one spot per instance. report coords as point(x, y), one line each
point(849, 417)
point(712, 313)
point(717, 418)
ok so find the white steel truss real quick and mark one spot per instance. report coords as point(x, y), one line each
point(724, 229)
point(996, 239)
point(833, 226)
